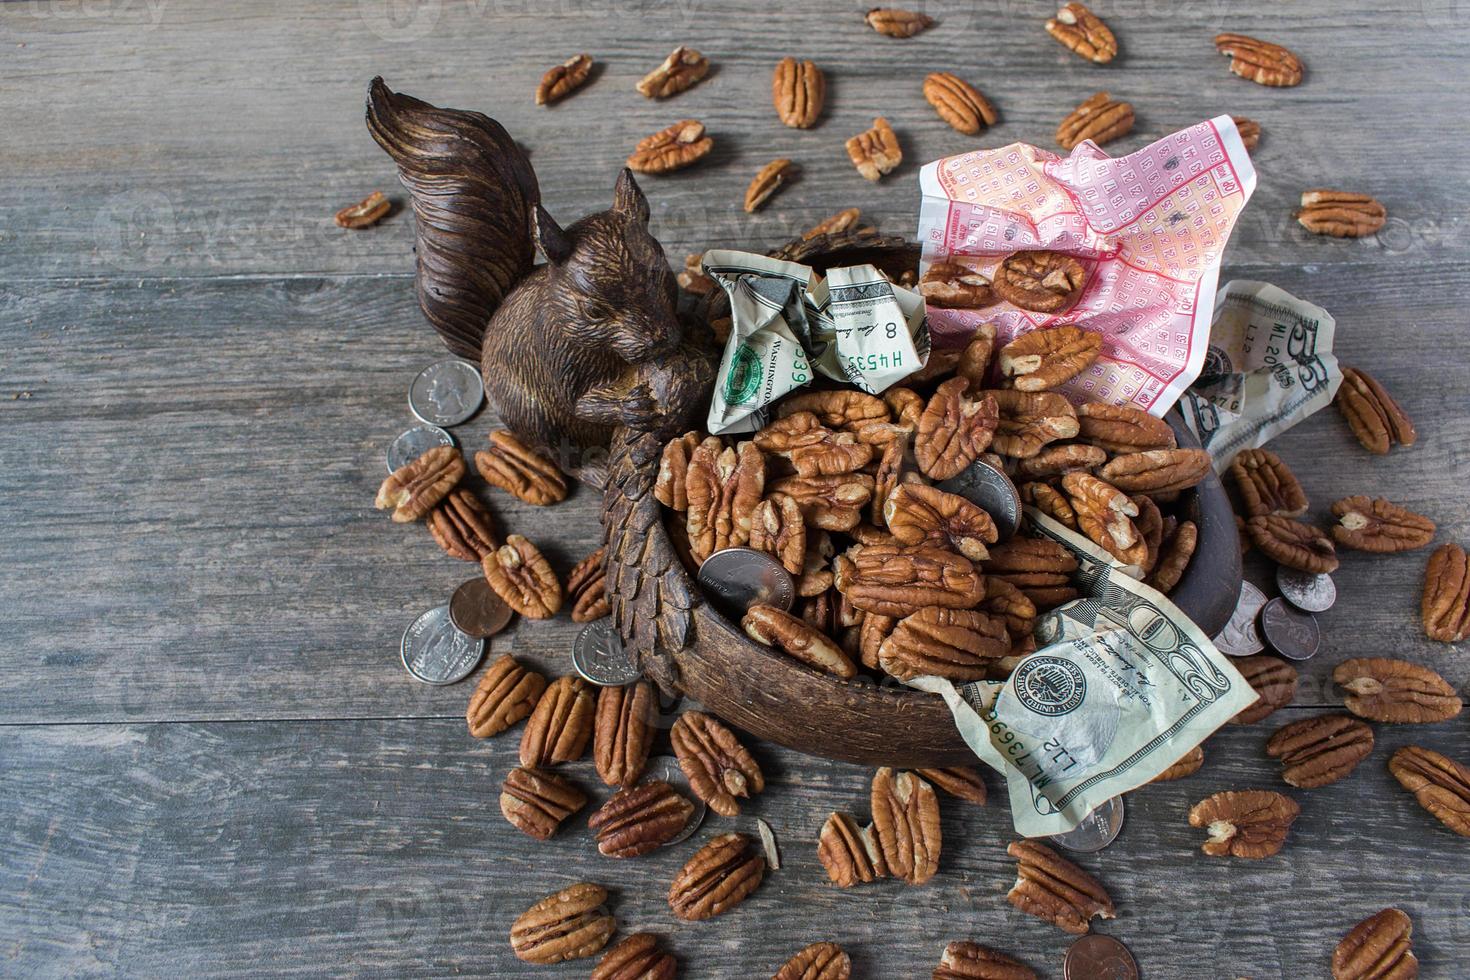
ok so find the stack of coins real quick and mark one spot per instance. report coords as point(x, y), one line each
point(1286, 624)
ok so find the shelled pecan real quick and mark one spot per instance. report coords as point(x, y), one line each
point(886, 477)
point(1175, 552)
point(462, 526)
point(1249, 130)
point(794, 636)
point(1439, 783)
point(895, 22)
point(965, 960)
point(1321, 750)
point(1260, 61)
point(1378, 525)
point(959, 103)
point(1004, 599)
point(1267, 485)
point(564, 79)
point(897, 581)
point(1157, 471)
point(1186, 765)
point(561, 725)
point(416, 487)
point(953, 429)
point(767, 181)
point(1104, 514)
point(365, 213)
point(623, 731)
point(844, 220)
point(520, 575)
point(1150, 525)
point(1122, 428)
point(1341, 214)
point(1100, 118)
point(816, 573)
point(507, 692)
point(718, 767)
point(1050, 501)
point(819, 961)
point(876, 151)
point(1059, 460)
point(961, 782)
point(724, 485)
point(837, 408)
point(1055, 890)
point(520, 471)
point(680, 145)
point(1445, 607)
point(1375, 418)
point(1030, 420)
point(536, 802)
point(778, 529)
point(829, 503)
point(719, 876)
point(974, 360)
point(1274, 681)
point(639, 957)
point(638, 819)
point(568, 925)
point(1293, 544)
point(906, 825)
point(1044, 358)
point(1378, 948)
point(1040, 281)
point(849, 853)
point(1383, 689)
point(837, 454)
point(917, 514)
point(954, 643)
point(1040, 568)
point(871, 634)
point(670, 487)
point(682, 69)
point(587, 588)
point(1083, 33)
point(955, 286)
point(799, 90)
point(1249, 824)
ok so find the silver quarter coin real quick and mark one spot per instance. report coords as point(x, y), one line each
point(992, 491)
point(435, 652)
point(1096, 831)
point(737, 578)
point(1306, 591)
point(1292, 633)
point(446, 392)
point(414, 443)
point(598, 655)
point(666, 767)
point(1240, 638)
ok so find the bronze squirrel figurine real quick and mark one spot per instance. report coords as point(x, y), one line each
point(571, 349)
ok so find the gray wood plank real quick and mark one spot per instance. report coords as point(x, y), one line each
point(191, 139)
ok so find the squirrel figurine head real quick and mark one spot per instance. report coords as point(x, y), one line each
point(571, 349)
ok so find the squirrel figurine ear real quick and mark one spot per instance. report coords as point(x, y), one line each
point(628, 198)
point(553, 241)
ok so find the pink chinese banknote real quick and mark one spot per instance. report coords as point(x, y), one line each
point(1149, 227)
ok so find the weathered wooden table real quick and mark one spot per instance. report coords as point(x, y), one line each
point(213, 760)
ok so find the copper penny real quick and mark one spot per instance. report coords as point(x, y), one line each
point(1099, 957)
point(475, 609)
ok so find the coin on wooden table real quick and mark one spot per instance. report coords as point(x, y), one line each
point(599, 656)
point(1099, 957)
point(446, 392)
point(1306, 591)
point(414, 443)
point(435, 652)
point(1240, 638)
point(477, 611)
point(737, 578)
point(988, 488)
point(1096, 831)
point(666, 767)
point(1292, 633)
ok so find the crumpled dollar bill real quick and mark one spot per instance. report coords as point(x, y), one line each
point(853, 325)
point(1123, 685)
point(1269, 365)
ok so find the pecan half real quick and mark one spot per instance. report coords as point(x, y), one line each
point(897, 581)
point(567, 925)
point(835, 454)
point(838, 408)
point(1022, 556)
point(771, 178)
point(849, 853)
point(871, 634)
point(1274, 681)
point(1293, 544)
point(1174, 554)
point(1439, 783)
point(1050, 501)
point(819, 961)
point(561, 725)
point(1267, 485)
point(1249, 824)
point(1260, 61)
point(1044, 358)
point(1061, 460)
point(816, 575)
point(507, 692)
point(799, 90)
point(623, 731)
point(961, 782)
point(1445, 607)
point(520, 471)
point(670, 488)
point(917, 514)
point(895, 22)
point(416, 488)
point(778, 530)
point(965, 960)
point(639, 819)
point(798, 430)
point(1378, 525)
point(1375, 418)
point(974, 362)
point(1378, 948)
point(955, 286)
point(1104, 514)
point(682, 69)
point(718, 767)
point(1100, 118)
point(462, 526)
point(954, 429)
point(1249, 130)
point(1383, 689)
point(365, 213)
point(724, 486)
point(1005, 600)
point(671, 149)
point(1319, 751)
point(1030, 420)
point(1054, 889)
point(639, 957)
point(844, 220)
point(954, 643)
point(520, 575)
point(875, 152)
point(906, 825)
point(1186, 765)
point(1150, 525)
point(830, 503)
point(1083, 33)
point(1157, 470)
point(1341, 214)
point(1123, 429)
point(959, 103)
point(1044, 282)
point(564, 79)
point(793, 635)
point(886, 477)
point(536, 802)
point(719, 876)
point(587, 588)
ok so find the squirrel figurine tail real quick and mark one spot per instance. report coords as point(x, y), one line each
point(571, 349)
